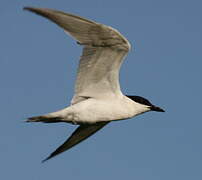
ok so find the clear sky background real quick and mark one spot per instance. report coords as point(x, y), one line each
point(38, 64)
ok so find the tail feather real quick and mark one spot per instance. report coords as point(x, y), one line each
point(44, 119)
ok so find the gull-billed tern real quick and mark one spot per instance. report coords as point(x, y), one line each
point(98, 99)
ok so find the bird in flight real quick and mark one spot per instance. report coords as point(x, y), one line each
point(98, 99)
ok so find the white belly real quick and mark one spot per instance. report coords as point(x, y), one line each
point(93, 110)
point(99, 110)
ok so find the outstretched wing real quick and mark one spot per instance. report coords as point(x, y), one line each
point(80, 134)
point(103, 53)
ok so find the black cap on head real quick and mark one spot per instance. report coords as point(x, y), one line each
point(146, 102)
point(140, 100)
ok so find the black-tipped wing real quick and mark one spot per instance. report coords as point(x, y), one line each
point(80, 134)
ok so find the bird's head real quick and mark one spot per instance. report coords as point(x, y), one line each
point(145, 102)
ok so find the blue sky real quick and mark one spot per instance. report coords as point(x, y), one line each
point(38, 64)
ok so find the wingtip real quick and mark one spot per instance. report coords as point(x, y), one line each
point(31, 9)
point(46, 159)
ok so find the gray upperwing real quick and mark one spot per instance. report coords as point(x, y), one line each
point(80, 134)
point(85, 31)
point(104, 51)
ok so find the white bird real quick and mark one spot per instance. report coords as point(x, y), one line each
point(98, 99)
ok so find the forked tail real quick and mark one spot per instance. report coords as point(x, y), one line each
point(44, 119)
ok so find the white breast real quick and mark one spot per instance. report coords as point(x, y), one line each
point(105, 109)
